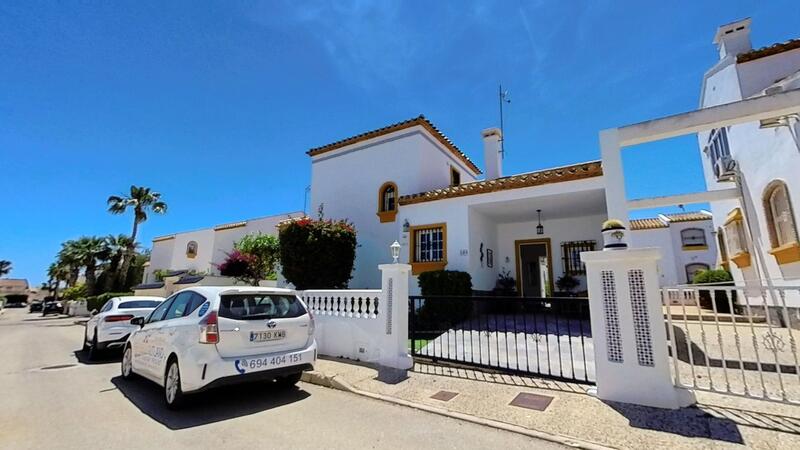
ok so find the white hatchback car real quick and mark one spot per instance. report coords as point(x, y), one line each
point(203, 337)
point(110, 327)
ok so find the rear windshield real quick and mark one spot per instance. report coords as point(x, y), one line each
point(260, 306)
point(136, 304)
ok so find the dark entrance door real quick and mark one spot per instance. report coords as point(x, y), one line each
point(533, 266)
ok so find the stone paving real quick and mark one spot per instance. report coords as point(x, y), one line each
point(717, 422)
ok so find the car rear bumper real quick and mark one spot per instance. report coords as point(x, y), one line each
point(216, 371)
point(116, 343)
point(114, 335)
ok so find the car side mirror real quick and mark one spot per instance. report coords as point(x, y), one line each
point(138, 321)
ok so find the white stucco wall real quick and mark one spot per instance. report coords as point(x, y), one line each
point(660, 238)
point(346, 181)
point(212, 246)
point(762, 155)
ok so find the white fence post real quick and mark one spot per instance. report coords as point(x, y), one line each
point(394, 295)
point(630, 342)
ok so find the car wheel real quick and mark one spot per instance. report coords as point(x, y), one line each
point(127, 363)
point(289, 380)
point(172, 386)
point(94, 352)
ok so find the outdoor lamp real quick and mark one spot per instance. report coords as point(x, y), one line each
point(395, 251)
point(539, 228)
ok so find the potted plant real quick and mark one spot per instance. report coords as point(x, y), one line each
point(567, 283)
point(614, 235)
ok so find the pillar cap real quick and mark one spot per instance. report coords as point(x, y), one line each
point(403, 267)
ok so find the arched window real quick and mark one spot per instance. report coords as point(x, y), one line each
point(780, 219)
point(191, 249)
point(780, 223)
point(387, 202)
point(692, 269)
point(693, 238)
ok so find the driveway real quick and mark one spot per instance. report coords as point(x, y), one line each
point(52, 398)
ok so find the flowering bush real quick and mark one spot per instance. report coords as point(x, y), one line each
point(240, 265)
point(317, 254)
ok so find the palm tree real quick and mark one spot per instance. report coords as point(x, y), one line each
point(142, 200)
point(88, 250)
point(117, 246)
point(56, 274)
point(69, 259)
point(5, 267)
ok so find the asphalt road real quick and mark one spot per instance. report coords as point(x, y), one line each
point(51, 397)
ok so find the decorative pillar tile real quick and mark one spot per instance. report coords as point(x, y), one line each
point(389, 302)
point(611, 316)
point(641, 318)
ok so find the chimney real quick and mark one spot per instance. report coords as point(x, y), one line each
point(733, 38)
point(492, 158)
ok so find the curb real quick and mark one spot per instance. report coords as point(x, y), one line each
point(333, 382)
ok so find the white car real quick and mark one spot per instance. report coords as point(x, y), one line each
point(203, 337)
point(110, 327)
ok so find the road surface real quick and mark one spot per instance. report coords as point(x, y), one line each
point(53, 398)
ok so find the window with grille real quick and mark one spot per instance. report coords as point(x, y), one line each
point(429, 245)
point(717, 146)
point(734, 234)
point(571, 254)
point(693, 237)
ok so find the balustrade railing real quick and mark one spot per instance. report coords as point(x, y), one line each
point(355, 304)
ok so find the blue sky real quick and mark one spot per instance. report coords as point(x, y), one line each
point(215, 103)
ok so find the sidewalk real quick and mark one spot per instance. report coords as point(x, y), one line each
point(572, 416)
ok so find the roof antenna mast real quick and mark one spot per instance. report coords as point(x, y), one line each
point(503, 98)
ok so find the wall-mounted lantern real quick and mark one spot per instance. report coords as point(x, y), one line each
point(540, 227)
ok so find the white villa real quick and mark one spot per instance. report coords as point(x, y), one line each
point(687, 241)
point(190, 258)
point(408, 182)
point(766, 153)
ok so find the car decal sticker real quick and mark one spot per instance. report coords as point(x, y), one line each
point(240, 368)
point(203, 309)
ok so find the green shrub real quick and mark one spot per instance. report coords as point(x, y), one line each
point(74, 292)
point(712, 276)
point(440, 309)
point(721, 277)
point(317, 254)
point(445, 282)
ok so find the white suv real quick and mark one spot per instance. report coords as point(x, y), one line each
point(203, 337)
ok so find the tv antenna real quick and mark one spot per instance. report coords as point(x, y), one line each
point(503, 98)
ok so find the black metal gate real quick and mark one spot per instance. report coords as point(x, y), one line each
point(543, 336)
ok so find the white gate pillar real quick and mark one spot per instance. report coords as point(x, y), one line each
point(394, 294)
point(628, 331)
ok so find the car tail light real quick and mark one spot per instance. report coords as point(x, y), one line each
point(209, 329)
point(118, 318)
point(311, 324)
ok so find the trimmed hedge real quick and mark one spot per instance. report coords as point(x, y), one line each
point(97, 301)
point(722, 278)
point(439, 310)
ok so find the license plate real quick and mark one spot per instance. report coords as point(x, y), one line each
point(265, 336)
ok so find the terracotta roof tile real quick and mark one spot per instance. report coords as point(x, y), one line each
point(420, 120)
point(773, 49)
point(688, 216)
point(650, 223)
point(555, 175)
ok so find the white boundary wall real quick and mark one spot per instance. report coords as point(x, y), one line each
point(368, 325)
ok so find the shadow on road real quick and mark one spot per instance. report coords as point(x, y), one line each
point(211, 406)
point(106, 357)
